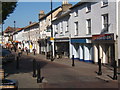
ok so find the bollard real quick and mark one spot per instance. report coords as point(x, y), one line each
point(39, 80)
point(100, 70)
point(34, 68)
point(73, 64)
point(17, 63)
point(115, 70)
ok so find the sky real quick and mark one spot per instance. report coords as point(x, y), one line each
point(28, 11)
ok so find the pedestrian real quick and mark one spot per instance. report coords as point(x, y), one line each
point(34, 50)
point(26, 50)
point(19, 51)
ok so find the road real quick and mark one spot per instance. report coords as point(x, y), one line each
point(55, 75)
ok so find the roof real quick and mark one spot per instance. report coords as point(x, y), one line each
point(18, 29)
point(78, 4)
point(9, 29)
point(49, 13)
point(62, 15)
point(31, 25)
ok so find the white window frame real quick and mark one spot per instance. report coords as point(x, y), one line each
point(66, 26)
point(61, 28)
point(76, 13)
point(104, 3)
point(87, 7)
point(105, 23)
point(76, 28)
point(88, 26)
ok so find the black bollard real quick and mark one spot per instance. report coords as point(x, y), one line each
point(34, 68)
point(39, 80)
point(73, 64)
point(100, 70)
point(17, 62)
point(115, 70)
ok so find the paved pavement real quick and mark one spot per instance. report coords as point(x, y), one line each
point(60, 74)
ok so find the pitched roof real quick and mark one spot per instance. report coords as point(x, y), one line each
point(35, 23)
point(78, 4)
point(49, 13)
point(9, 29)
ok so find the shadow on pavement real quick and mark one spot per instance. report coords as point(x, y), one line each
point(25, 65)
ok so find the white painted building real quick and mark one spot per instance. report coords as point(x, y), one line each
point(31, 36)
point(94, 31)
point(45, 29)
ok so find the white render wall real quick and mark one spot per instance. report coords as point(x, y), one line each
point(119, 31)
point(95, 16)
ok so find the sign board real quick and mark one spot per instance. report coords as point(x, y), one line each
point(51, 38)
point(103, 37)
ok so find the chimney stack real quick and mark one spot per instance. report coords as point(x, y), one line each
point(65, 5)
point(30, 22)
point(41, 14)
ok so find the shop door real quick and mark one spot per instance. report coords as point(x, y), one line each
point(110, 53)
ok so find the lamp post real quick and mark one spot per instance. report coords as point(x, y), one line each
point(14, 28)
point(52, 46)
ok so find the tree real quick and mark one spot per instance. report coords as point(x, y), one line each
point(7, 9)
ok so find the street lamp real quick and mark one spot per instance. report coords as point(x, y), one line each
point(52, 46)
point(14, 28)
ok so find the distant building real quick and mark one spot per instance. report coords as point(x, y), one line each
point(31, 36)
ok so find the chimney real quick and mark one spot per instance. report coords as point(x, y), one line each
point(65, 5)
point(30, 22)
point(41, 14)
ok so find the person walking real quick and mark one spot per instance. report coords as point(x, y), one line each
point(26, 50)
point(19, 51)
point(34, 51)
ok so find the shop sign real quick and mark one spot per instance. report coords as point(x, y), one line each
point(78, 40)
point(103, 37)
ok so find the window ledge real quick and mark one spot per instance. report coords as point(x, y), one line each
point(88, 11)
point(104, 5)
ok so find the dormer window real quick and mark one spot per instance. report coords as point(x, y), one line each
point(76, 13)
point(104, 3)
point(88, 7)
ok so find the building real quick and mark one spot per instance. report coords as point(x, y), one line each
point(8, 34)
point(31, 36)
point(94, 31)
point(61, 31)
point(45, 29)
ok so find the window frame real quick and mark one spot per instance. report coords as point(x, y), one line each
point(76, 28)
point(88, 26)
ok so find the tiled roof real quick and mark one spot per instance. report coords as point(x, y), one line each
point(9, 29)
point(31, 25)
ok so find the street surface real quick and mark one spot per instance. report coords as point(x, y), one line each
point(59, 74)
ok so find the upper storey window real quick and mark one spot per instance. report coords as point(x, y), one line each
point(88, 7)
point(104, 3)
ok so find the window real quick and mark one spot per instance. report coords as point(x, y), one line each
point(104, 3)
point(88, 26)
point(56, 29)
point(88, 7)
point(76, 13)
point(76, 28)
point(66, 27)
point(61, 28)
point(105, 24)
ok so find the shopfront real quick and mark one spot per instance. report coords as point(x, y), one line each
point(81, 49)
point(62, 46)
point(104, 48)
